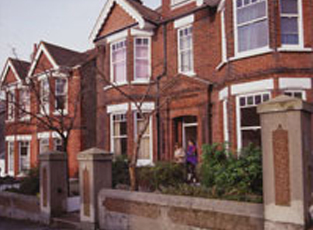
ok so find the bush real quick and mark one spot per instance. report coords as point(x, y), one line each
point(229, 176)
point(29, 185)
point(163, 174)
point(7, 180)
point(120, 173)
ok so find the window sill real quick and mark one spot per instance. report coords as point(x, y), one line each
point(181, 4)
point(222, 63)
point(115, 84)
point(294, 49)
point(58, 113)
point(9, 121)
point(189, 74)
point(25, 118)
point(142, 163)
point(251, 53)
point(139, 82)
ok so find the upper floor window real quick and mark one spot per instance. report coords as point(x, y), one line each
point(118, 62)
point(185, 50)
point(60, 94)
point(251, 25)
point(290, 22)
point(44, 96)
point(142, 59)
point(24, 103)
point(11, 106)
point(179, 2)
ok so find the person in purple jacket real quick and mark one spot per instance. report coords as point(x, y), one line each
point(191, 161)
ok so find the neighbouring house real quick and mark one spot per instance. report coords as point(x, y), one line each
point(2, 142)
point(53, 94)
point(210, 61)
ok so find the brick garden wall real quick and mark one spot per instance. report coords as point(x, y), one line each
point(124, 210)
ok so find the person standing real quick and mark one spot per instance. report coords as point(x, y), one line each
point(191, 161)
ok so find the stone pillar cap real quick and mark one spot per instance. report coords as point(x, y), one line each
point(284, 103)
point(94, 154)
point(52, 156)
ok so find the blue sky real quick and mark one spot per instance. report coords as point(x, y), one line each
point(64, 22)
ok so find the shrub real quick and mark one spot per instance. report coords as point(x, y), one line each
point(229, 176)
point(163, 174)
point(120, 173)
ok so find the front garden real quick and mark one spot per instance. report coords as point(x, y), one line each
point(220, 174)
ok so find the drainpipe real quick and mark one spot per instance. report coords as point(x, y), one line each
point(158, 117)
point(209, 115)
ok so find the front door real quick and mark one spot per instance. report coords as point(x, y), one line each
point(189, 133)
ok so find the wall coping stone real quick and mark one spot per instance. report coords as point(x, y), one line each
point(53, 156)
point(284, 103)
point(95, 154)
point(222, 206)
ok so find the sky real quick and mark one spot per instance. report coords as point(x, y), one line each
point(66, 23)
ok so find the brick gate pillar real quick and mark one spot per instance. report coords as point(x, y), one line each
point(95, 173)
point(287, 163)
point(53, 183)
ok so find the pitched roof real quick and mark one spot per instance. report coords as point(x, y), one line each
point(63, 56)
point(146, 12)
point(21, 67)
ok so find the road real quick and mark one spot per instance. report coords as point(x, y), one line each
point(8, 224)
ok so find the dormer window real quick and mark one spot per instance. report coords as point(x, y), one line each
point(118, 62)
point(142, 59)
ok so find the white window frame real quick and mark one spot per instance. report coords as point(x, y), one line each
point(149, 60)
point(11, 104)
point(11, 160)
point(144, 162)
point(65, 94)
point(27, 166)
point(252, 52)
point(190, 72)
point(112, 64)
point(238, 115)
point(44, 105)
point(112, 136)
point(41, 140)
point(180, 3)
point(225, 121)
point(224, 38)
point(25, 100)
point(299, 15)
point(293, 91)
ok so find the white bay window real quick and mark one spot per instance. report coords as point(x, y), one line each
point(251, 25)
point(11, 106)
point(44, 96)
point(10, 148)
point(142, 59)
point(24, 104)
point(118, 62)
point(44, 145)
point(60, 94)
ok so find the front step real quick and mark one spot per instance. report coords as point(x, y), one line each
point(67, 221)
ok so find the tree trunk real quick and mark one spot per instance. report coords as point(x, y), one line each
point(133, 178)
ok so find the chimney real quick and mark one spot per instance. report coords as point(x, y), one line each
point(35, 48)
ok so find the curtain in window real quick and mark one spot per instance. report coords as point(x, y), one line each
point(119, 61)
point(289, 22)
point(142, 58)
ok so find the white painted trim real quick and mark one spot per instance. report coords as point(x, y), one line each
point(10, 138)
point(118, 108)
point(223, 94)
point(24, 137)
point(111, 63)
point(252, 87)
point(41, 49)
point(118, 36)
point(252, 53)
point(209, 2)
point(55, 134)
point(304, 97)
point(149, 59)
point(105, 13)
point(9, 65)
point(181, 22)
point(146, 106)
point(225, 121)
point(224, 38)
point(138, 32)
point(295, 83)
point(294, 49)
point(188, 73)
point(43, 135)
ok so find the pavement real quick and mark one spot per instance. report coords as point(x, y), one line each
point(9, 224)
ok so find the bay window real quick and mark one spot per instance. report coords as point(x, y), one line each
point(142, 59)
point(296, 94)
point(290, 21)
point(249, 127)
point(119, 134)
point(11, 106)
point(118, 62)
point(185, 50)
point(24, 150)
point(251, 25)
point(10, 157)
point(145, 150)
point(43, 145)
point(44, 96)
point(24, 103)
point(58, 145)
point(60, 94)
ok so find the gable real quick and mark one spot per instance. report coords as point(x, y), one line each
point(10, 77)
point(43, 64)
point(117, 19)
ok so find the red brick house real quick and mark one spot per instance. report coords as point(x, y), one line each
point(212, 61)
point(55, 89)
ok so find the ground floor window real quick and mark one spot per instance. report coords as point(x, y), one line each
point(119, 134)
point(57, 143)
point(43, 145)
point(248, 120)
point(10, 156)
point(24, 150)
point(296, 93)
point(145, 151)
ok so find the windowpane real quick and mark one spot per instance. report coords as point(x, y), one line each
point(24, 102)
point(251, 12)
point(43, 145)
point(24, 155)
point(118, 51)
point(119, 134)
point(251, 137)
point(289, 6)
point(145, 148)
point(142, 58)
point(185, 50)
point(250, 117)
point(289, 30)
point(11, 156)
